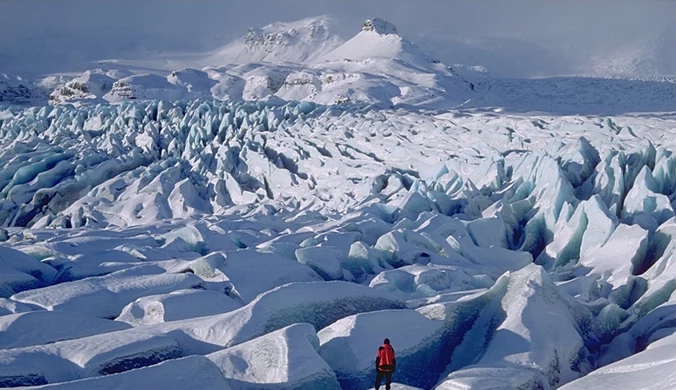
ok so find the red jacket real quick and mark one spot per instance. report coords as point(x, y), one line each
point(385, 360)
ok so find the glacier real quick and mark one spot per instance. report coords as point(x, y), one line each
point(165, 232)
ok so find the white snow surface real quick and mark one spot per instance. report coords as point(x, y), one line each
point(45, 327)
point(105, 296)
point(152, 231)
point(177, 305)
point(284, 359)
point(175, 374)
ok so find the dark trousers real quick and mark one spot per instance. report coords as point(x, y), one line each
point(388, 379)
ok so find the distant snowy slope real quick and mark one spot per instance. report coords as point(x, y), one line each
point(577, 95)
point(283, 62)
point(306, 60)
point(16, 90)
point(379, 38)
point(300, 41)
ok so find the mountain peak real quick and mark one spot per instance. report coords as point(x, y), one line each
point(285, 34)
point(298, 41)
point(379, 40)
point(379, 26)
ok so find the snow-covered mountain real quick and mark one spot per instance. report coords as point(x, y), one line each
point(88, 86)
point(17, 91)
point(301, 61)
point(379, 38)
point(306, 61)
point(296, 42)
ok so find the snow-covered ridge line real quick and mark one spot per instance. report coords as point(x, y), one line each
point(341, 81)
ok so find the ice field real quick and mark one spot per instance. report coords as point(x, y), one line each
point(535, 248)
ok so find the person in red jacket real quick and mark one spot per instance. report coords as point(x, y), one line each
point(385, 364)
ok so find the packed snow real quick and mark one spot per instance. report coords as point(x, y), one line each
point(262, 213)
point(284, 359)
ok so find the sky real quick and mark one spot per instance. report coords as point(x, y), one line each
point(510, 38)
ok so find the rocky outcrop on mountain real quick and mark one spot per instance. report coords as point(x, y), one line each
point(301, 41)
point(90, 85)
point(15, 90)
point(379, 26)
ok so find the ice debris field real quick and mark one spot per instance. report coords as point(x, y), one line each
point(273, 246)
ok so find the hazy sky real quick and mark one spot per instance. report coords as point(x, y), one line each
point(511, 38)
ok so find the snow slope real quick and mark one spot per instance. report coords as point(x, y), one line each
point(105, 296)
point(534, 340)
point(177, 305)
point(379, 38)
point(285, 61)
point(45, 327)
point(651, 369)
point(174, 374)
point(284, 359)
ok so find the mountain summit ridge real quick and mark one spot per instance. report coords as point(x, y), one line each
point(379, 26)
